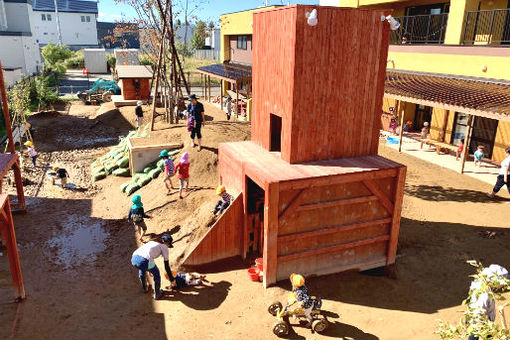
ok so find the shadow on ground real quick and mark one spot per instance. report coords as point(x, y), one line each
point(439, 193)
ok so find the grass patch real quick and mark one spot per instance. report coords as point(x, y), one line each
point(190, 66)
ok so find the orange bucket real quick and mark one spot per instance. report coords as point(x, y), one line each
point(254, 273)
point(259, 262)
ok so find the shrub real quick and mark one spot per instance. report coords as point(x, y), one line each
point(146, 59)
point(77, 61)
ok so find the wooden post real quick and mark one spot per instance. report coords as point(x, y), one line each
point(158, 69)
point(445, 124)
point(209, 84)
point(272, 198)
point(202, 81)
point(221, 94)
point(401, 132)
point(7, 228)
point(237, 100)
point(467, 140)
point(21, 206)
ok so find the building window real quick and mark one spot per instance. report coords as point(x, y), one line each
point(88, 18)
point(48, 17)
point(242, 42)
point(82, 18)
point(43, 17)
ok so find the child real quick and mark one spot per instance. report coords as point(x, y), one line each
point(224, 202)
point(137, 215)
point(393, 125)
point(62, 174)
point(424, 133)
point(479, 155)
point(301, 293)
point(229, 107)
point(31, 151)
point(189, 279)
point(458, 153)
point(169, 169)
point(183, 169)
point(139, 114)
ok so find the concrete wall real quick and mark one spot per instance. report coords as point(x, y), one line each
point(12, 76)
point(18, 17)
point(20, 51)
point(95, 60)
point(74, 31)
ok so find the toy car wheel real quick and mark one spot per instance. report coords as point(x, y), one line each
point(320, 325)
point(274, 308)
point(281, 328)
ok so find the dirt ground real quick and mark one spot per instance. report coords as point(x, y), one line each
point(75, 248)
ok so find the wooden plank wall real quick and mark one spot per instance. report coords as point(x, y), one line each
point(230, 169)
point(326, 82)
point(223, 240)
point(128, 89)
point(339, 227)
point(502, 141)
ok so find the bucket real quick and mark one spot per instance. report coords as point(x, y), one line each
point(260, 263)
point(254, 273)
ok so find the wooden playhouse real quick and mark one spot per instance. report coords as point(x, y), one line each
point(314, 196)
point(134, 83)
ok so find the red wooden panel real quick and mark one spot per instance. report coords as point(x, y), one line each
point(324, 81)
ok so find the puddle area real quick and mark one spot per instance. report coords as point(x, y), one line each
point(79, 241)
point(86, 142)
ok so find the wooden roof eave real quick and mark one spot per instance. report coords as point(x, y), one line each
point(230, 80)
point(457, 108)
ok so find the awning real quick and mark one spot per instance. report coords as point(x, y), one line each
point(227, 71)
point(477, 96)
point(134, 71)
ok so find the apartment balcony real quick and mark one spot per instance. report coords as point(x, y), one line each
point(420, 29)
point(487, 27)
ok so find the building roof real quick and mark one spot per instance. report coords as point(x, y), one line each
point(227, 71)
point(72, 6)
point(133, 71)
point(488, 98)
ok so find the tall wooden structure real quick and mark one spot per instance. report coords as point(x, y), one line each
point(317, 198)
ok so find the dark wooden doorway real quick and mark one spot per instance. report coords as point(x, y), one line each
point(255, 212)
point(276, 133)
point(423, 114)
point(484, 133)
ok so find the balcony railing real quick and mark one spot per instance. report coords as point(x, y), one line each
point(420, 29)
point(487, 27)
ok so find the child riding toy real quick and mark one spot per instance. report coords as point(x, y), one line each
point(309, 309)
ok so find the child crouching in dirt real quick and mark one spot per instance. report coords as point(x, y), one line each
point(169, 169)
point(303, 298)
point(62, 174)
point(137, 215)
point(31, 152)
point(189, 279)
point(182, 168)
point(224, 202)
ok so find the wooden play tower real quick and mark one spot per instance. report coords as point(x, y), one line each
point(314, 196)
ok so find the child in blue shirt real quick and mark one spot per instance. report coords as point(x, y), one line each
point(479, 155)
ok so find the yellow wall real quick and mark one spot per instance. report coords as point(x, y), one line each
point(502, 141)
point(437, 123)
point(464, 65)
point(449, 128)
point(455, 25)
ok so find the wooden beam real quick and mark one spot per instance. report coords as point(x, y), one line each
point(292, 207)
point(382, 197)
point(335, 203)
point(221, 94)
point(237, 100)
point(272, 199)
point(467, 140)
point(401, 132)
point(333, 248)
point(397, 211)
point(332, 229)
point(209, 81)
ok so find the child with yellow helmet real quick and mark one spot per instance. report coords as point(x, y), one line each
point(224, 202)
point(301, 293)
point(31, 152)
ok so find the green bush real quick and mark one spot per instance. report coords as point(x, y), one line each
point(54, 59)
point(77, 61)
point(146, 59)
point(111, 60)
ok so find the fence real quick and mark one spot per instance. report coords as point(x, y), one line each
point(487, 27)
point(420, 29)
point(207, 54)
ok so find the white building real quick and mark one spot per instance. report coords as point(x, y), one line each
point(78, 23)
point(213, 41)
point(18, 46)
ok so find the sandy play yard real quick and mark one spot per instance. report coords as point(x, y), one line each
point(75, 248)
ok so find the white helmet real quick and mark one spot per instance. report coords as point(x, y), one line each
point(139, 103)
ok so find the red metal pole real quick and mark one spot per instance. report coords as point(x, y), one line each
point(21, 207)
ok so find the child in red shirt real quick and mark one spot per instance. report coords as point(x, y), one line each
point(182, 168)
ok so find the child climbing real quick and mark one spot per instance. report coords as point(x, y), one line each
point(182, 168)
point(137, 215)
point(169, 170)
point(224, 202)
point(31, 152)
point(479, 155)
point(62, 174)
point(303, 298)
point(460, 149)
point(186, 279)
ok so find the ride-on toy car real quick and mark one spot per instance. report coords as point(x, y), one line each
point(282, 326)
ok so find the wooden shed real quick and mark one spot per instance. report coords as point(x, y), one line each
point(316, 197)
point(134, 81)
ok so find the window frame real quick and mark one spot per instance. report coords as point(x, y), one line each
point(82, 17)
point(242, 42)
point(48, 17)
point(87, 18)
point(43, 17)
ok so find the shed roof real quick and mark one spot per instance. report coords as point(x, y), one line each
point(133, 71)
point(72, 6)
point(227, 71)
point(488, 98)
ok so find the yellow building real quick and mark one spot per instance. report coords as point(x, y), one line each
point(447, 61)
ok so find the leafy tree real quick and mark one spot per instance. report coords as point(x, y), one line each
point(111, 60)
point(182, 49)
point(44, 94)
point(199, 35)
point(146, 59)
point(475, 321)
point(54, 59)
point(18, 98)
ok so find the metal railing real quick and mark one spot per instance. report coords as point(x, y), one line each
point(420, 29)
point(487, 27)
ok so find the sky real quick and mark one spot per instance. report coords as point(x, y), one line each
point(211, 10)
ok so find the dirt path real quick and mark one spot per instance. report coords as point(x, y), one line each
point(75, 249)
